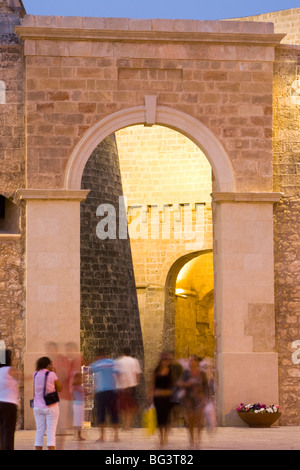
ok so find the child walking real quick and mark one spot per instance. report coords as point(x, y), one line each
point(78, 405)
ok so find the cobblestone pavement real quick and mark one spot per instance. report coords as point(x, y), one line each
point(223, 438)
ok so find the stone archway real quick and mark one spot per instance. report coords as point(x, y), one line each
point(242, 224)
point(243, 240)
point(170, 297)
point(151, 114)
point(87, 91)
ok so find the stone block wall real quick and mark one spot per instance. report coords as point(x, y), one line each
point(12, 177)
point(161, 167)
point(109, 309)
point(227, 87)
point(285, 21)
point(286, 228)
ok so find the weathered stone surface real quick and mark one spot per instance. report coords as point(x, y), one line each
point(286, 229)
point(12, 177)
point(228, 87)
point(109, 309)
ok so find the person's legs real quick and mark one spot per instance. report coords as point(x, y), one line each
point(52, 420)
point(8, 420)
point(40, 421)
point(190, 424)
point(78, 414)
point(2, 426)
point(199, 425)
point(112, 405)
point(100, 409)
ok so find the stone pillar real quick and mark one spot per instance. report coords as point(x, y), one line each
point(52, 277)
point(246, 359)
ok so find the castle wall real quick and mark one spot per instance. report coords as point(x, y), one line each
point(285, 21)
point(223, 75)
point(12, 177)
point(286, 226)
point(228, 86)
point(109, 308)
point(215, 75)
point(168, 180)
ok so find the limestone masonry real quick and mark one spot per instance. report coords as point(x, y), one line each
point(188, 129)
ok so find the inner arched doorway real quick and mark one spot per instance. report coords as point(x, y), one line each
point(189, 306)
point(166, 181)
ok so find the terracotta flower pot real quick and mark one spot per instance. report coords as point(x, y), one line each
point(259, 420)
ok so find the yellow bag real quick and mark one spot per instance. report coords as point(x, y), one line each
point(150, 420)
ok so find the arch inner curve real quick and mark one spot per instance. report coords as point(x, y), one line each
point(164, 116)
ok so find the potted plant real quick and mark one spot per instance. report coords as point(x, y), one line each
point(258, 415)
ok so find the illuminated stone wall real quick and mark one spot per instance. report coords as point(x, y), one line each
point(194, 324)
point(286, 223)
point(222, 75)
point(285, 21)
point(12, 177)
point(109, 309)
point(161, 167)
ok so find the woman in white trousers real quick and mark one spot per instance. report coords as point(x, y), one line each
point(46, 417)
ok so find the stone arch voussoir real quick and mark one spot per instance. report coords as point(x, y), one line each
point(164, 116)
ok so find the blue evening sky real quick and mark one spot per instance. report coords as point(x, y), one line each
point(147, 9)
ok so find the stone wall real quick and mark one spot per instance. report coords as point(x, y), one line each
point(162, 169)
point(287, 220)
point(12, 177)
point(226, 87)
point(12, 297)
point(109, 309)
point(285, 21)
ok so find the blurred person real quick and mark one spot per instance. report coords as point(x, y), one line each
point(127, 379)
point(46, 417)
point(9, 399)
point(63, 368)
point(209, 410)
point(177, 372)
point(161, 394)
point(196, 391)
point(106, 403)
point(78, 405)
point(75, 358)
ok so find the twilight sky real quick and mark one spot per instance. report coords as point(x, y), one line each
point(172, 9)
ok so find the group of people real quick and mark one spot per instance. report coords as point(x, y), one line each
point(116, 384)
point(60, 376)
point(184, 385)
point(188, 385)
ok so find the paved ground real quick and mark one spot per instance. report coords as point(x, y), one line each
point(229, 438)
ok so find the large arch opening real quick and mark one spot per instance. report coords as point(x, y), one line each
point(194, 316)
point(221, 179)
point(169, 117)
point(162, 182)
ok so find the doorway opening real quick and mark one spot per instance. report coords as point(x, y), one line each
point(162, 181)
